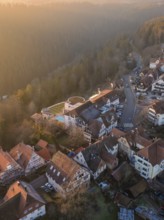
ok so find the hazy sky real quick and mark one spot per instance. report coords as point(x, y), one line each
point(93, 1)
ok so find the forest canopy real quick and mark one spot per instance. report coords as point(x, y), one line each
point(36, 40)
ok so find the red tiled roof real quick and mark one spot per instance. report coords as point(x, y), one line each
point(100, 95)
point(6, 160)
point(153, 153)
point(62, 168)
point(117, 133)
point(159, 107)
point(41, 143)
point(79, 150)
point(28, 198)
point(22, 154)
point(43, 150)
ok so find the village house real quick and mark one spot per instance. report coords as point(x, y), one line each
point(21, 202)
point(145, 82)
point(156, 113)
point(42, 149)
point(9, 168)
point(158, 85)
point(90, 159)
point(123, 172)
point(153, 63)
point(115, 132)
point(149, 161)
point(98, 156)
point(96, 117)
point(26, 157)
point(65, 175)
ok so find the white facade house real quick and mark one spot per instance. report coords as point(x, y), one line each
point(156, 113)
point(98, 156)
point(153, 63)
point(124, 147)
point(158, 86)
point(94, 164)
point(65, 175)
point(149, 161)
point(26, 157)
point(40, 211)
point(22, 202)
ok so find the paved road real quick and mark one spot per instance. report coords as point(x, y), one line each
point(130, 105)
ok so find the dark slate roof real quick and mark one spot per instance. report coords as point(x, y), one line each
point(92, 158)
point(89, 113)
point(92, 154)
point(123, 200)
point(138, 188)
point(108, 142)
point(94, 127)
point(122, 171)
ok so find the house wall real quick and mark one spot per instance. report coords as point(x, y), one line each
point(35, 214)
point(143, 167)
point(99, 171)
point(146, 169)
point(160, 119)
point(156, 119)
point(116, 102)
point(113, 150)
point(80, 179)
point(125, 148)
point(9, 175)
point(35, 162)
point(80, 159)
point(152, 65)
point(69, 121)
point(56, 186)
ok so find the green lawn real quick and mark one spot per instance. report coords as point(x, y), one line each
point(105, 210)
point(56, 109)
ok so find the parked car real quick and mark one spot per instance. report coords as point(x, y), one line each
point(104, 185)
point(49, 186)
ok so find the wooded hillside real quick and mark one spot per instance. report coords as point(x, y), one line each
point(151, 33)
point(35, 40)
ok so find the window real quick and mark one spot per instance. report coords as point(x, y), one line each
point(143, 174)
point(58, 173)
point(145, 164)
point(144, 169)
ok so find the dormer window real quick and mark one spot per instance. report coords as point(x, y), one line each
point(58, 173)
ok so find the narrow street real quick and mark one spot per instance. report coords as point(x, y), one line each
point(130, 105)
